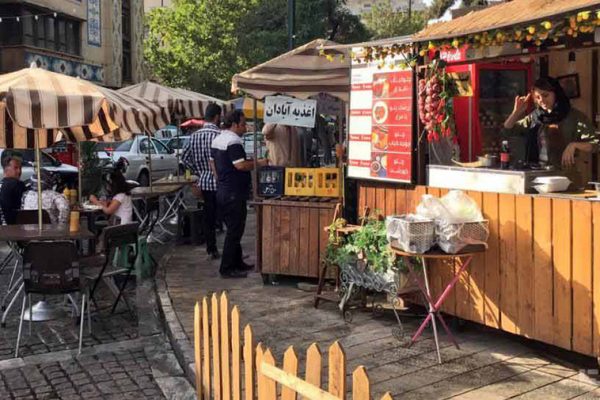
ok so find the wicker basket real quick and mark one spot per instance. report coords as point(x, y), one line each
point(452, 238)
point(411, 233)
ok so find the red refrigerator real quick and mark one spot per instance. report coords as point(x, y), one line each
point(486, 98)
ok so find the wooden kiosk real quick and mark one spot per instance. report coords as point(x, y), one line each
point(539, 277)
point(290, 236)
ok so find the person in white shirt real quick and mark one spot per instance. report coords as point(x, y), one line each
point(120, 205)
point(56, 204)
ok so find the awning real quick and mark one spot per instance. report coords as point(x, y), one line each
point(33, 99)
point(300, 73)
point(185, 103)
point(516, 12)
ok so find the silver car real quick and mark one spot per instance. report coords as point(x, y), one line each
point(68, 173)
point(136, 152)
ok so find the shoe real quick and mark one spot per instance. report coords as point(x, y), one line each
point(214, 254)
point(246, 267)
point(234, 274)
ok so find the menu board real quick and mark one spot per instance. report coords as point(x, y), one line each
point(380, 125)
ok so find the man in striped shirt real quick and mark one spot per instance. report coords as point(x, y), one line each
point(196, 155)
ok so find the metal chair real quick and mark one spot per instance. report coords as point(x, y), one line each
point(52, 268)
point(24, 217)
point(115, 237)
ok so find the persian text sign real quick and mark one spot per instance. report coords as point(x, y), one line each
point(290, 111)
point(381, 122)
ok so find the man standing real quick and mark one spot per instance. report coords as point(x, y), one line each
point(283, 145)
point(11, 188)
point(233, 176)
point(196, 155)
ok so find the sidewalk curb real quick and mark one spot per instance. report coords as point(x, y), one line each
point(180, 343)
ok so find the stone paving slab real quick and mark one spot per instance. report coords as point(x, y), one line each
point(489, 364)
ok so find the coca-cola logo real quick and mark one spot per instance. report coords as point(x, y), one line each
point(453, 55)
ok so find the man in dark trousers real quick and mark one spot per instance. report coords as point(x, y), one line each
point(233, 187)
point(196, 155)
point(11, 188)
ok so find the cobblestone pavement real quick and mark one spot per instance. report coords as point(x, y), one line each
point(118, 360)
point(489, 364)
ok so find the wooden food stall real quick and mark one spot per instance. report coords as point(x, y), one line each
point(537, 277)
point(290, 236)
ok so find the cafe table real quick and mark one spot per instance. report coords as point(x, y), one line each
point(177, 203)
point(41, 311)
point(145, 193)
point(434, 305)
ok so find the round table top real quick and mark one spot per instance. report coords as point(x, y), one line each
point(438, 253)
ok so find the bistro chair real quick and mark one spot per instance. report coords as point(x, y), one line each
point(52, 268)
point(120, 245)
point(24, 217)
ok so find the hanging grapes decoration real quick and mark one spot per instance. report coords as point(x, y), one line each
point(435, 102)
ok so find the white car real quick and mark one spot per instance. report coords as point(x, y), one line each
point(68, 173)
point(135, 151)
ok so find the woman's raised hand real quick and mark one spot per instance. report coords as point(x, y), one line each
point(521, 103)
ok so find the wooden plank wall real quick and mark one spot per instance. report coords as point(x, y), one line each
point(293, 239)
point(536, 279)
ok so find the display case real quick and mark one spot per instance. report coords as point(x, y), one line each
point(486, 98)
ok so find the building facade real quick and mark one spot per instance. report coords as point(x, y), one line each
point(97, 40)
point(359, 7)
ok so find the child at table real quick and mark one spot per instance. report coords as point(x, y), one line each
point(120, 205)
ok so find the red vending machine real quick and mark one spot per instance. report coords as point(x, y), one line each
point(486, 97)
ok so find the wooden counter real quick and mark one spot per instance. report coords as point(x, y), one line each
point(291, 236)
point(536, 279)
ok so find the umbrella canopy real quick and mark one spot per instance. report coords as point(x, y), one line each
point(246, 104)
point(184, 103)
point(300, 73)
point(34, 99)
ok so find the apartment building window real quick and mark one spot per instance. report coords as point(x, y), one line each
point(57, 34)
point(126, 24)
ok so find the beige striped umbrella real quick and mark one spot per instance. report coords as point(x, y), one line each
point(300, 73)
point(184, 103)
point(35, 104)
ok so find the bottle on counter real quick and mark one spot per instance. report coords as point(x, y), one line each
point(504, 155)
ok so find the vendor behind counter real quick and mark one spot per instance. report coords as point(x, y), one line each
point(554, 132)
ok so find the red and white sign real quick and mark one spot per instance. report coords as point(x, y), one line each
point(381, 110)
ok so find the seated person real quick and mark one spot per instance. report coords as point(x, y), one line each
point(55, 203)
point(120, 205)
point(11, 187)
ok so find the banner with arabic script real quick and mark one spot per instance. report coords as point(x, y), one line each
point(289, 111)
point(381, 121)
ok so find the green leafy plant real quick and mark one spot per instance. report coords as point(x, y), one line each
point(368, 244)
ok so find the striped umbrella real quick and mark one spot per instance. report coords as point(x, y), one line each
point(184, 103)
point(35, 104)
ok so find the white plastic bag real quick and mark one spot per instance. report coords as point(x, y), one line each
point(432, 208)
point(461, 208)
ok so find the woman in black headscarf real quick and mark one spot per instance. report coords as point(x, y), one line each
point(555, 130)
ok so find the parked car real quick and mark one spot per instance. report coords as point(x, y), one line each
point(64, 152)
point(135, 152)
point(167, 132)
point(67, 173)
point(176, 145)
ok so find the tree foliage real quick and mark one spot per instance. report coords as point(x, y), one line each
point(201, 44)
point(194, 44)
point(383, 21)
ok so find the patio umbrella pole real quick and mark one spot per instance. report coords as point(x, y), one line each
point(149, 162)
point(178, 144)
point(79, 164)
point(254, 138)
point(39, 176)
